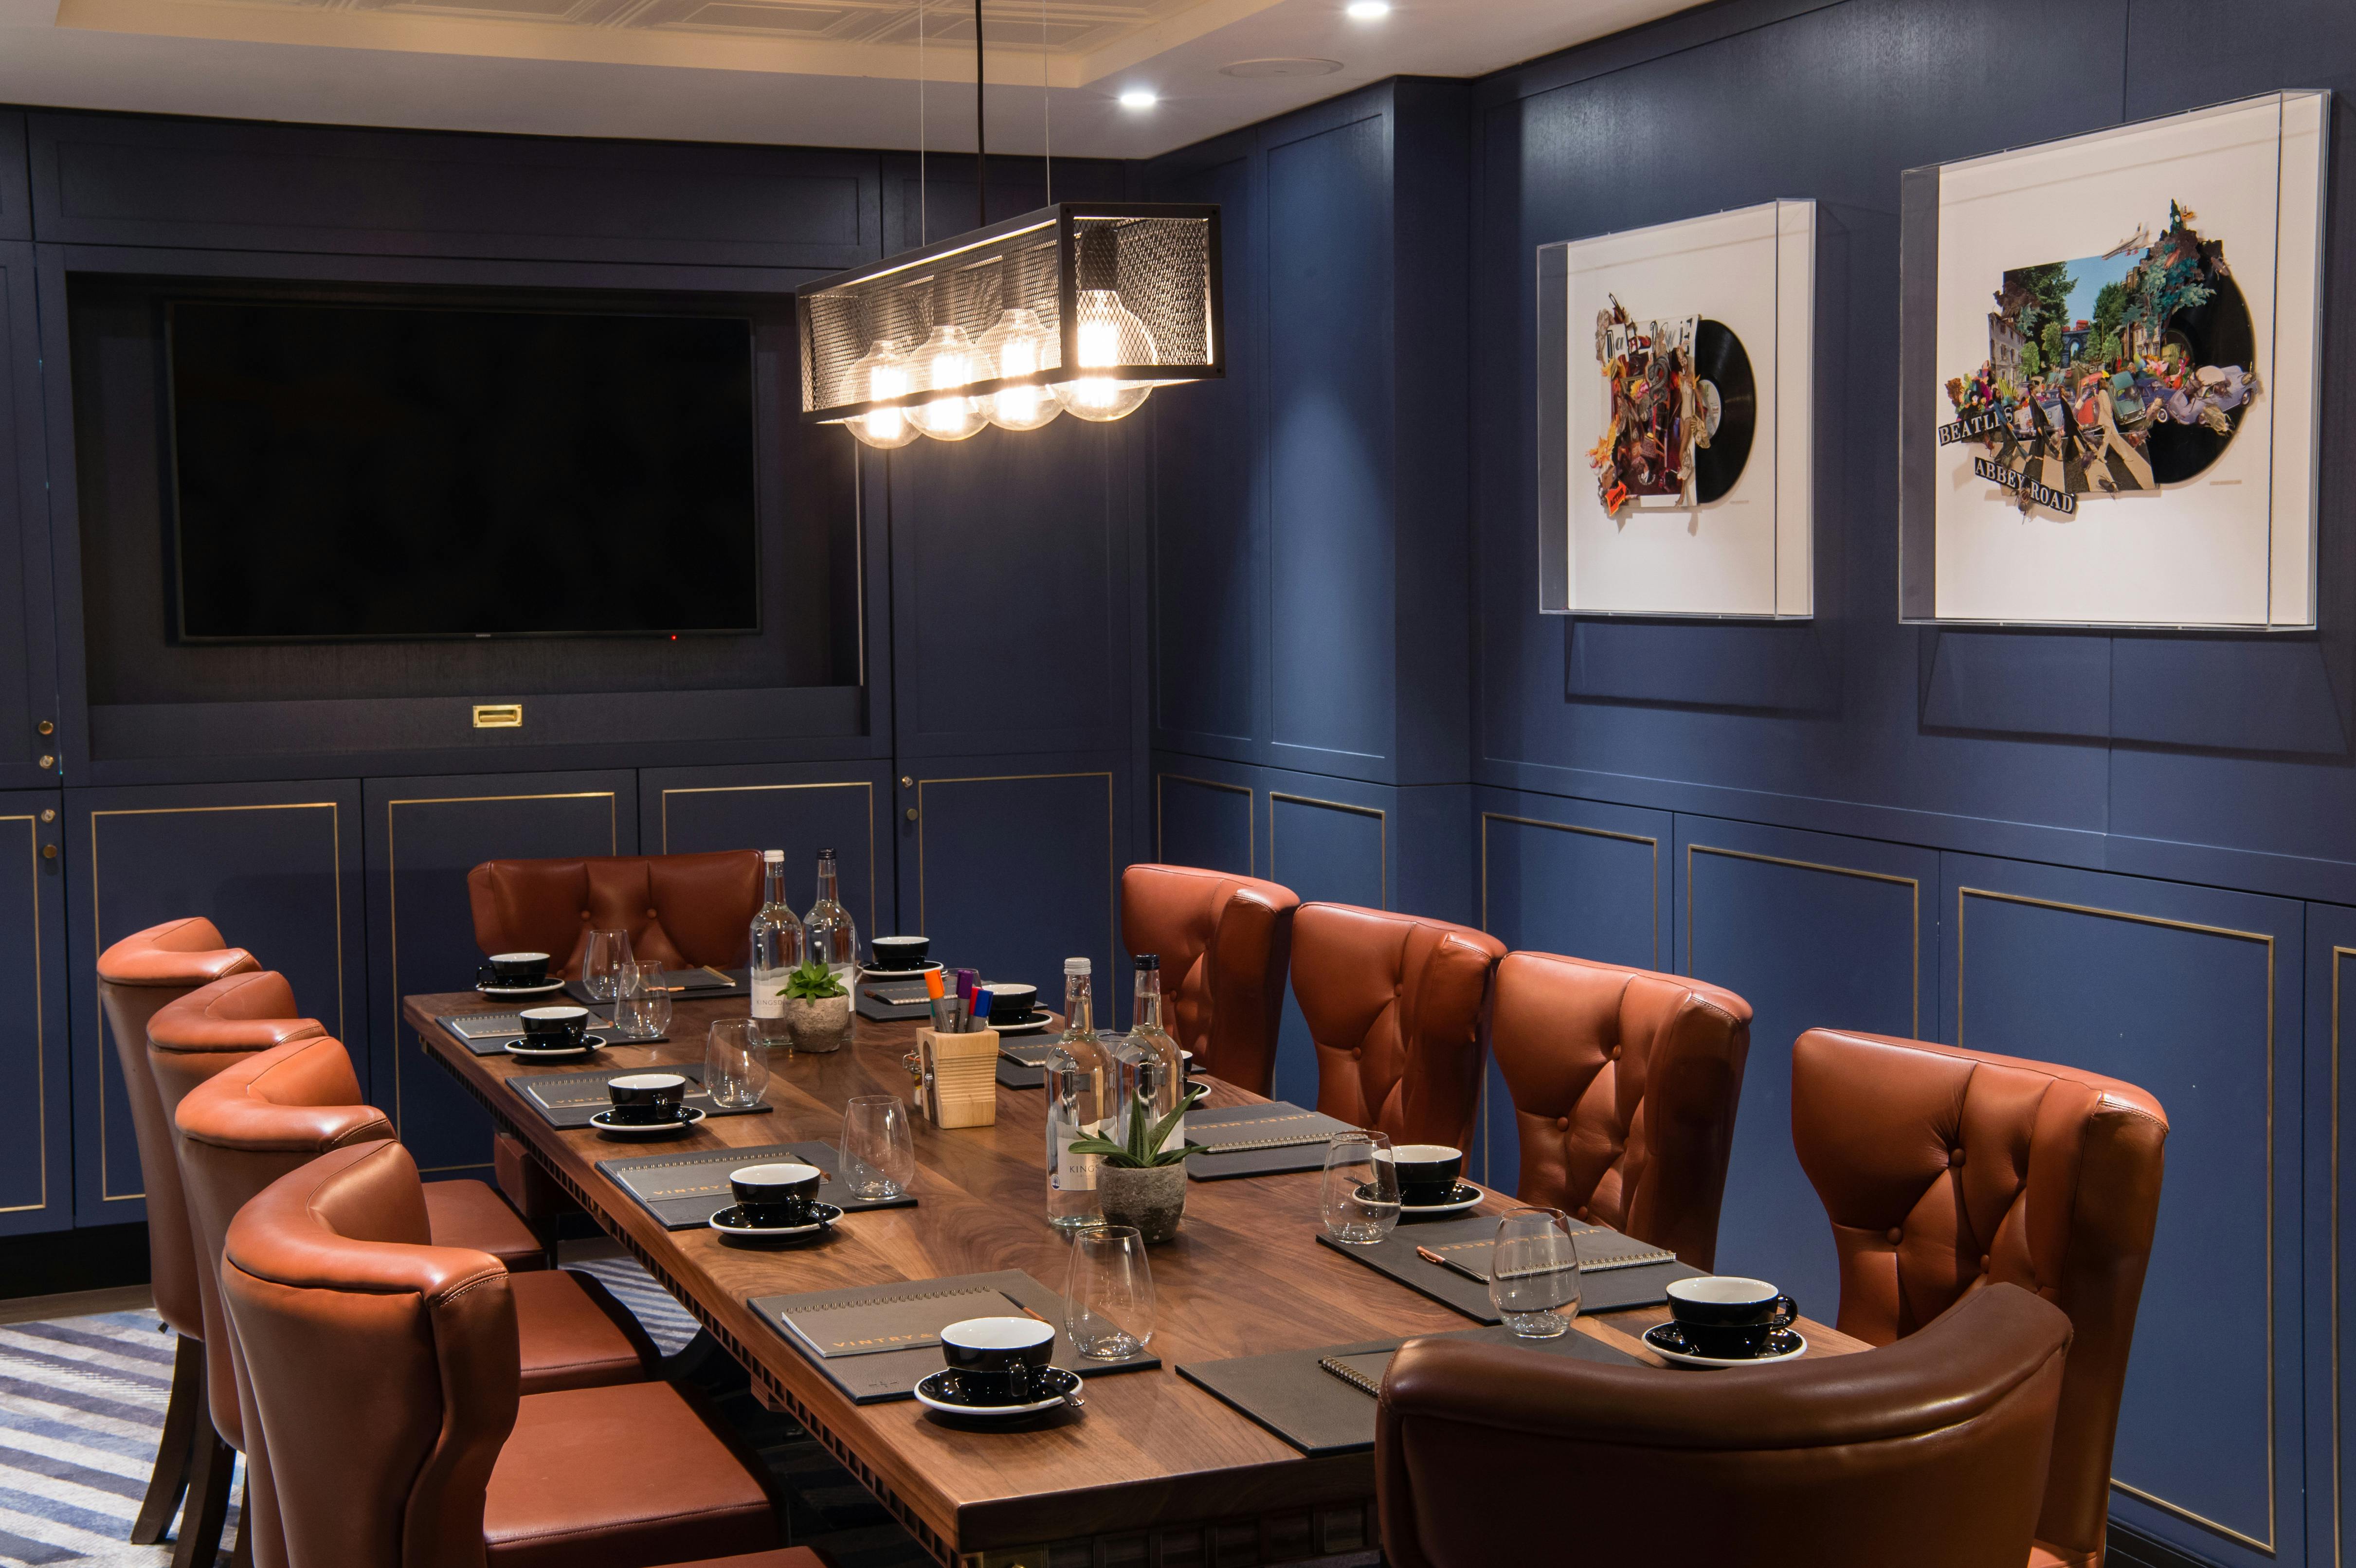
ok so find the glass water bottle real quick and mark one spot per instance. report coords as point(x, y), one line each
point(1080, 1084)
point(1153, 1042)
point(833, 941)
point(777, 951)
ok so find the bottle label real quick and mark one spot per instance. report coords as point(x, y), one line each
point(769, 994)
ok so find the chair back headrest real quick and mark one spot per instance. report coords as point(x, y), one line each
point(683, 911)
point(183, 953)
point(383, 1372)
point(1224, 943)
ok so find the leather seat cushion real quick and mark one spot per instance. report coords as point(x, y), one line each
point(534, 1192)
point(790, 1557)
point(621, 1478)
point(572, 1333)
point(2042, 1554)
point(469, 1215)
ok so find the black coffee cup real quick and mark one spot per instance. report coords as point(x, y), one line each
point(553, 1028)
point(646, 1099)
point(1728, 1317)
point(1009, 1003)
point(1427, 1173)
point(899, 952)
point(998, 1360)
point(514, 969)
point(775, 1194)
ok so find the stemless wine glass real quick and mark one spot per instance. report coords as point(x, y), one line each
point(1109, 1293)
point(602, 964)
point(642, 1007)
point(879, 1153)
point(1533, 1272)
point(735, 1063)
point(1362, 1191)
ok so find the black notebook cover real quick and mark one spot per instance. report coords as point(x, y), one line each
point(1246, 1125)
point(1602, 1290)
point(1321, 1410)
point(894, 1374)
point(684, 1190)
point(684, 983)
point(487, 1033)
point(570, 1099)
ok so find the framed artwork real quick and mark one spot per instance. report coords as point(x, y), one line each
point(1676, 367)
point(2109, 371)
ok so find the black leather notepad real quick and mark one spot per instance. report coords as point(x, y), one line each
point(570, 1099)
point(488, 1033)
point(684, 1190)
point(1264, 1140)
point(1323, 1401)
point(1607, 1290)
point(684, 983)
point(893, 1374)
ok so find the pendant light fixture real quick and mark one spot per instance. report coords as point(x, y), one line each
point(1078, 307)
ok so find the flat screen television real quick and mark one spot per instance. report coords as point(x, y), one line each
point(366, 471)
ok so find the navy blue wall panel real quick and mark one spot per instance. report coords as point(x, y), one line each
point(2330, 976)
point(1808, 929)
point(1203, 818)
point(15, 194)
point(1328, 839)
point(275, 865)
point(37, 1127)
point(799, 809)
point(2192, 994)
point(27, 621)
point(424, 835)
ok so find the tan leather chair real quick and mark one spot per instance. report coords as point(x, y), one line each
point(684, 910)
point(1395, 1004)
point(1946, 1170)
point(1225, 943)
point(1624, 1085)
point(1930, 1453)
point(136, 977)
point(381, 1373)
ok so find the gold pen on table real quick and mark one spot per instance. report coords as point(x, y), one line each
point(1427, 1256)
point(719, 974)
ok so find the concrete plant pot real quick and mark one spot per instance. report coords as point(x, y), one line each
point(1153, 1200)
point(819, 1024)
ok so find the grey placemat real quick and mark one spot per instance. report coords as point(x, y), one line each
point(487, 1033)
point(1316, 1412)
point(694, 985)
point(684, 1190)
point(1237, 1124)
point(570, 1099)
point(1607, 1290)
point(894, 1374)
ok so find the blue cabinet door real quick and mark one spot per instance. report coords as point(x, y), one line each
point(798, 807)
point(37, 1126)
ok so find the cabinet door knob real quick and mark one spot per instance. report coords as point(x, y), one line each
point(48, 762)
point(907, 783)
point(47, 727)
point(912, 813)
point(49, 814)
point(48, 851)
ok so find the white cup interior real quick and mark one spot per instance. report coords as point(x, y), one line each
point(1425, 1154)
point(519, 957)
point(899, 944)
point(998, 1333)
point(645, 1080)
point(775, 1175)
point(1721, 1290)
point(555, 1012)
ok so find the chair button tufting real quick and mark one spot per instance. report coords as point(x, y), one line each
point(1615, 1053)
point(1895, 1235)
point(650, 914)
point(1562, 1124)
point(1954, 1157)
point(1984, 1263)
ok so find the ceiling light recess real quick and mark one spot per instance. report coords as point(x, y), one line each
point(1139, 98)
point(1080, 309)
point(1279, 65)
point(1367, 10)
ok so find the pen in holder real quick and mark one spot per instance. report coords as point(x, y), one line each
point(959, 1077)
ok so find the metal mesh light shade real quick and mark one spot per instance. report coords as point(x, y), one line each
point(1161, 261)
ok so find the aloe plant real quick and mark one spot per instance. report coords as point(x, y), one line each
point(812, 982)
point(1143, 1151)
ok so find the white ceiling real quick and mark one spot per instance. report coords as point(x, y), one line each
point(814, 72)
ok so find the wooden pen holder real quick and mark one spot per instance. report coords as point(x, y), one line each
point(960, 1077)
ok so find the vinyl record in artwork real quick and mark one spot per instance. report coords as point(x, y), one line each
point(1731, 405)
point(2215, 332)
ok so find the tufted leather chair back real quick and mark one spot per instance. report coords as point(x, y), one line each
point(136, 977)
point(1224, 943)
point(1947, 1170)
point(680, 910)
point(1930, 1453)
point(1394, 1005)
point(1624, 1085)
point(383, 1370)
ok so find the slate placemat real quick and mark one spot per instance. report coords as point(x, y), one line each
point(684, 1190)
point(1320, 1413)
point(694, 985)
point(1606, 1290)
point(1283, 1120)
point(894, 1374)
point(487, 1033)
point(570, 1099)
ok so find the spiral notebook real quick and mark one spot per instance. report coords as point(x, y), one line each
point(486, 1034)
point(1259, 1140)
point(570, 1099)
point(1626, 1273)
point(684, 1190)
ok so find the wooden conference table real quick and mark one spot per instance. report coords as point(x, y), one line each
point(1155, 1470)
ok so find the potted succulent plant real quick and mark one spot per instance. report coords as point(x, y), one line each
point(1140, 1182)
point(818, 1008)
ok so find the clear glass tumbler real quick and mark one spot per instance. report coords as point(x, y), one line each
point(642, 1004)
point(879, 1151)
point(602, 964)
point(1109, 1293)
point(1361, 1190)
point(735, 1063)
point(1533, 1272)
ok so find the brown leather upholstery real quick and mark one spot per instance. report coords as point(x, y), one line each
point(1624, 1085)
point(1930, 1454)
point(1394, 1005)
point(684, 910)
point(1225, 943)
point(525, 1183)
point(1944, 1170)
point(136, 978)
point(467, 1214)
point(383, 1377)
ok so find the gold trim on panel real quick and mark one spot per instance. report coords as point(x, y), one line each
point(1915, 953)
point(1383, 843)
point(1113, 864)
point(1489, 816)
point(1251, 815)
point(98, 936)
point(2267, 1545)
point(40, 1041)
point(866, 785)
point(392, 897)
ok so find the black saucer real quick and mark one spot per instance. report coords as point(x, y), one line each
point(731, 1222)
point(689, 1116)
point(943, 1392)
point(1670, 1340)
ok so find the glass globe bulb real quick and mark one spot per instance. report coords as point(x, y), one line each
point(881, 372)
point(1109, 334)
point(1018, 344)
point(947, 359)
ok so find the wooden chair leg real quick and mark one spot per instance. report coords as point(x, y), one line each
point(185, 1420)
point(198, 1544)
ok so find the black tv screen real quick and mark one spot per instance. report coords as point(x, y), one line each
point(395, 472)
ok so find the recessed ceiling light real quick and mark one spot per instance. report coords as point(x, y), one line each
point(1367, 10)
point(1139, 98)
point(1253, 71)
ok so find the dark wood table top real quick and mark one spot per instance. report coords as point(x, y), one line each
point(1244, 1276)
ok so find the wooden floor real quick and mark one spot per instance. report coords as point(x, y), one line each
point(77, 1304)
